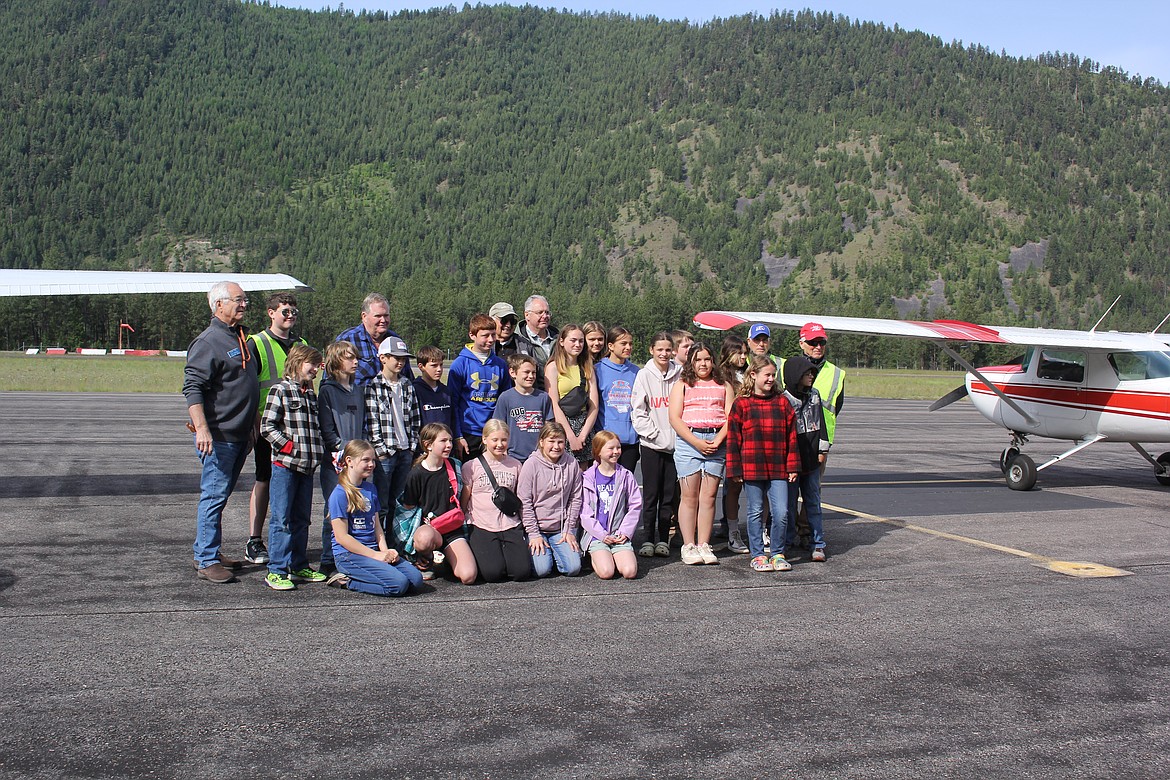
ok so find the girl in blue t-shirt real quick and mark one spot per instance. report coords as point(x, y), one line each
point(615, 390)
point(365, 561)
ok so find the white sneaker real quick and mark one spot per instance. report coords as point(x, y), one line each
point(707, 554)
point(691, 554)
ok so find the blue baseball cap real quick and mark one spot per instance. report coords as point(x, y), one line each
point(759, 329)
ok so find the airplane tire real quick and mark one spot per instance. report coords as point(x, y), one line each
point(1021, 473)
point(1006, 456)
point(1164, 460)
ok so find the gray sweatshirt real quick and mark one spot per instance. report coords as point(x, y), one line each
point(217, 377)
point(649, 410)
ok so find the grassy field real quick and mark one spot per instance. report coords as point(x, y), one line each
point(86, 374)
point(83, 374)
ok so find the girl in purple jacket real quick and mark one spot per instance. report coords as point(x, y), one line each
point(611, 507)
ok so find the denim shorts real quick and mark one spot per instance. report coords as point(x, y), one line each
point(597, 546)
point(688, 460)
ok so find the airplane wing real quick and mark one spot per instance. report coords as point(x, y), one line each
point(21, 282)
point(941, 331)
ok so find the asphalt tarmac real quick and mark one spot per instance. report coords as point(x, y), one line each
point(946, 636)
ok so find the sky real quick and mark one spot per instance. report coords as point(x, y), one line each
point(1133, 35)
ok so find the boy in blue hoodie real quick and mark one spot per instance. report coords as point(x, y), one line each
point(476, 379)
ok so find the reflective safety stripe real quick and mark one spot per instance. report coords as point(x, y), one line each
point(267, 363)
point(829, 395)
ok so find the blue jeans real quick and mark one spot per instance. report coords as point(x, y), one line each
point(378, 577)
point(328, 483)
point(390, 481)
point(290, 501)
point(777, 492)
point(221, 469)
point(567, 560)
point(808, 486)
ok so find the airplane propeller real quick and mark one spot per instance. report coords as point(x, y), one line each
point(948, 399)
point(960, 392)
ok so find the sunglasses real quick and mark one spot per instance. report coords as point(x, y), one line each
point(817, 342)
point(289, 312)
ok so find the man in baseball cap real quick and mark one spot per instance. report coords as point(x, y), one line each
point(508, 341)
point(829, 382)
point(759, 339)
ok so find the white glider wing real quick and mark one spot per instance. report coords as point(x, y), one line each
point(941, 331)
point(20, 282)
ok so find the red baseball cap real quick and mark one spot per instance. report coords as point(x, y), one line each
point(813, 330)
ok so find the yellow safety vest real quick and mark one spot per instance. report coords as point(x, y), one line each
point(272, 357)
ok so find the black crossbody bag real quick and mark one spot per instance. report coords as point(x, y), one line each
point(505, 500)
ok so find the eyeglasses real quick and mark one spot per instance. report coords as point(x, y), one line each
point(817, 342)
point(240, 299)
point(289, 312)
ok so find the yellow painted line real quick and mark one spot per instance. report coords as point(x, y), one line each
point(1070, 568)
point(918, 482)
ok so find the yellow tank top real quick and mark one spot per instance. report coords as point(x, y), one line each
point(566, 382)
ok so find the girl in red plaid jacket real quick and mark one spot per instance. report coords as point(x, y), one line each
point(762, 453)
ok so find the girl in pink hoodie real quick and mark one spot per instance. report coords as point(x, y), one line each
point(550, 489)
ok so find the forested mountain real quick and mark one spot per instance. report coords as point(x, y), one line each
point(634, 169)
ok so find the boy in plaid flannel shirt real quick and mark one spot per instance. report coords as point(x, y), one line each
point(290, 424)
point(393, 420)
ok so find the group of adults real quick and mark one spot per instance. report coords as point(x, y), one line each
point(227, 371)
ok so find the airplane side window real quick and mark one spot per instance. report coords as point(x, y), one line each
point(1129, 366)
point(1157, 364)
point(1061, 366)
point(1140, 365)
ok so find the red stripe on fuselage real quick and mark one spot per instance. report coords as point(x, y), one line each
point(1132, 403)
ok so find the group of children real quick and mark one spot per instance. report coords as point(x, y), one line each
point(494, 479)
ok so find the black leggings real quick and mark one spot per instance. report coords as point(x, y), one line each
point(629, 456)
point(659, 487)
point(500, 555)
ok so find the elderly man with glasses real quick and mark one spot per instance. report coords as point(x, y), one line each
point(269, 348)
point(829, 382)
point(223, 395)
point(537, 331)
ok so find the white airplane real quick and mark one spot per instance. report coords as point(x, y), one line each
point(22, 282)
point(1079, 386)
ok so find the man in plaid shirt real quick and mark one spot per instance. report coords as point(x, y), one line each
point(368, 336)
point(393, 419)
point(290, 424)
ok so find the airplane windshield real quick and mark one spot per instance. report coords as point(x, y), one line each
point(1132, 366)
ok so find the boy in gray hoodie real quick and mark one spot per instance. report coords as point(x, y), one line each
point(812, 439)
